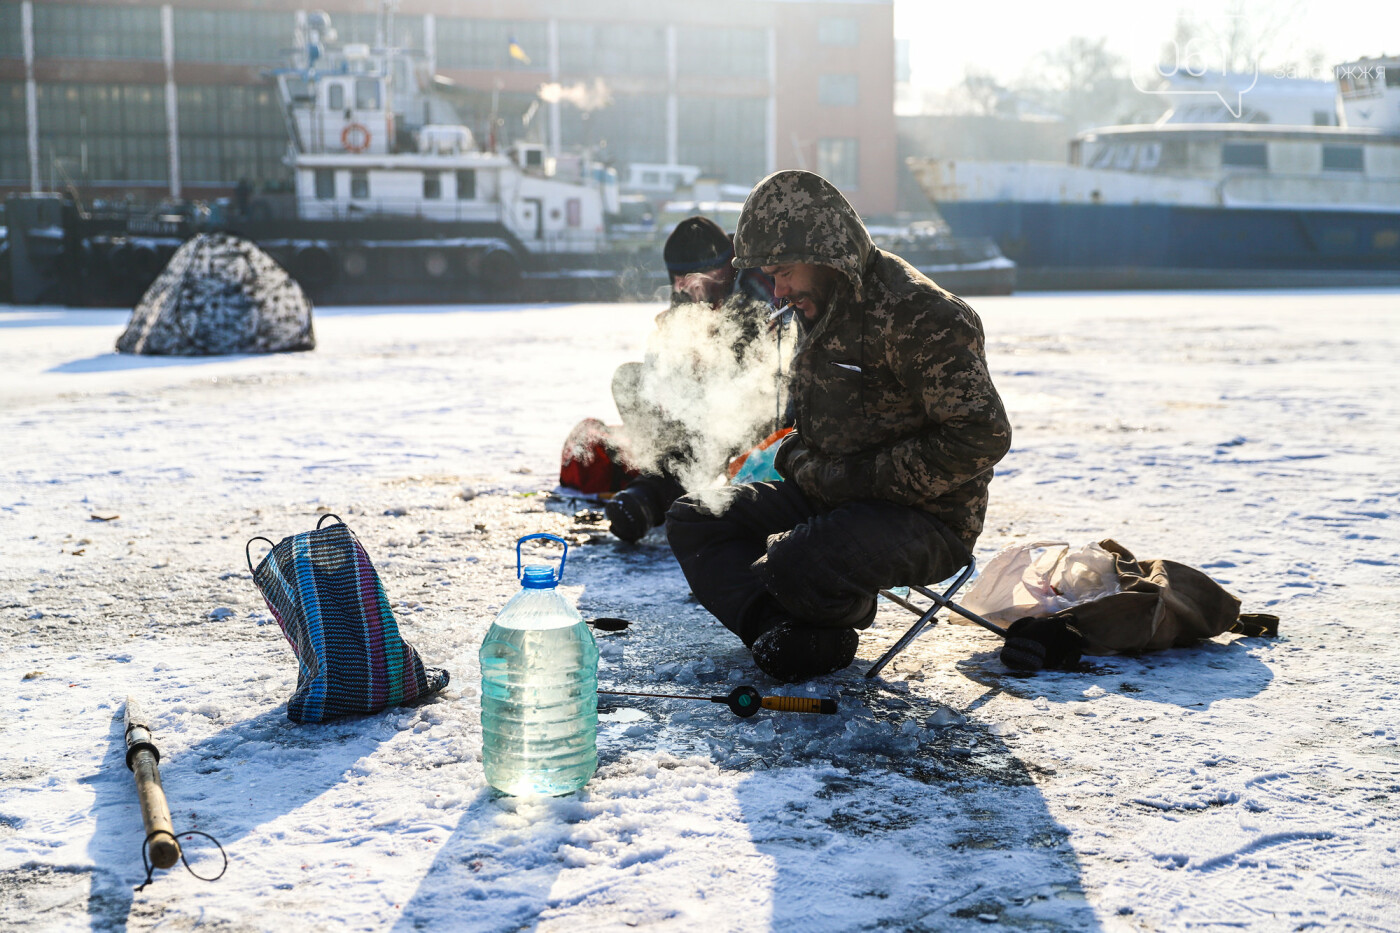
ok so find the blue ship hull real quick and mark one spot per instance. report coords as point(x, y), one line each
point(1158, 245)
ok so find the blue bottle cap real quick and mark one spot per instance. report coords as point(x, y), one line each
point(539, 578)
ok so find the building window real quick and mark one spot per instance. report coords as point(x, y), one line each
point(368, 28)
point(14, 152)
point(1342, 159)
point(11, 39)
point(733, 52)
point(432, 185)
point(1244, 155)
point(102, 132)
point(838, 30)
point(466, 184)
point(335, 96)
point(838, 162)
point(366, 93)
point(838, 90)
point(630, 129)
point(325, 184)
point(232, 132)
point(725, 136)
point(611, 49)
point(230, 37)
point(359, 185)
point(102, 32)
point(484, 44)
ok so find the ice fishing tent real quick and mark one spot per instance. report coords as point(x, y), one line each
point(220, 294)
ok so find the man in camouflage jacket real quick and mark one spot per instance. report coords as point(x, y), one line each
point(898, 428)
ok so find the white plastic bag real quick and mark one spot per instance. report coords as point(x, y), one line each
point(1020, 582)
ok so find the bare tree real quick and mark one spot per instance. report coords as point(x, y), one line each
point(1083, 80)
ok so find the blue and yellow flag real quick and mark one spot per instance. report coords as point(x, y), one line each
point(516, 52)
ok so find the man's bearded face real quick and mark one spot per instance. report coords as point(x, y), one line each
point(807, 287)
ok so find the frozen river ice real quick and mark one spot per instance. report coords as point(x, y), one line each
point(1245, 783)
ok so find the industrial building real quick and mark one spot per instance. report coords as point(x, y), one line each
point(128, 99)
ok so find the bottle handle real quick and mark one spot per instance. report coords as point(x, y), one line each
point(519, 571)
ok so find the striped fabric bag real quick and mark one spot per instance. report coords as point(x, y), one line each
point(328, 599)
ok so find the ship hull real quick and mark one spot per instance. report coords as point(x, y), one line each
point(1087, 246)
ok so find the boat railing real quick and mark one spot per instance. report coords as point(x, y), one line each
point(372, 209)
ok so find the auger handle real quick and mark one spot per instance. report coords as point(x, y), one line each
point(745, 701)
point(799, 704)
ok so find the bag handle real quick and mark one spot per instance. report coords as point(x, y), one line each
point(329, 515)
point(519, 572)
point(247, 547)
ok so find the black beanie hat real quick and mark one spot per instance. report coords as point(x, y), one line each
point(697, 243)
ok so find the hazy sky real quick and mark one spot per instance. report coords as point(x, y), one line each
point(1004, 37)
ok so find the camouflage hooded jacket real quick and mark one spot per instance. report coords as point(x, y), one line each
point(893, 396)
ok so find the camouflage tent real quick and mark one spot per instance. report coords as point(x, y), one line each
point(220, 294)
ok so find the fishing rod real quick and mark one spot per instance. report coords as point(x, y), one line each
point(744, 701)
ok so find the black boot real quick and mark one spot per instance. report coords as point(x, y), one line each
point(792, 652)
point(630, 515)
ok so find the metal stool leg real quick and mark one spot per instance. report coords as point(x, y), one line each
point(925, 616)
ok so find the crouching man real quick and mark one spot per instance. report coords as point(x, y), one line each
point(885, 479)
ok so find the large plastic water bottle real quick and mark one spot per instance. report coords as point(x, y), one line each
point(539, 689)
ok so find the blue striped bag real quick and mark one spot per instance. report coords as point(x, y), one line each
point(332, 609)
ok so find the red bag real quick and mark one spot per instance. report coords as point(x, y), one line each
point(593, 460)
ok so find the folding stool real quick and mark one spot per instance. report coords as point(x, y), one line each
point(940, 601)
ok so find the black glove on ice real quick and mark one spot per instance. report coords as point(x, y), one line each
point(1051, 642)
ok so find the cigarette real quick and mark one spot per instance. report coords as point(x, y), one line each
point(780, 312)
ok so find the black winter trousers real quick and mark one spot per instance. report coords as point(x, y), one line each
point(756, 551)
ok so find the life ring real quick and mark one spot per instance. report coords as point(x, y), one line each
point(355, 137)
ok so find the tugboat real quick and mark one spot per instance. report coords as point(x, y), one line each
point(391, 188)
point(1199, 205)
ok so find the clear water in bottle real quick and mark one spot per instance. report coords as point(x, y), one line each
point(539, 693)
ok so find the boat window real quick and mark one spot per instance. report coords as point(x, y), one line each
point(1341, 159)
point(1392, 77)
point(1103, 157)
point(574, 206)
point(1150, 156)
point(466, 184)
point(432, 185)
point(1123, 157)
point(1244, 155)
point(299, 90)
point(1173, 154)
point(534, 158)
point(651, 178)
point(325, 184)
point(335, 96)
point(359, 185)
point(366, 93)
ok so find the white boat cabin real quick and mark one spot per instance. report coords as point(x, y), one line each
point(369, 142)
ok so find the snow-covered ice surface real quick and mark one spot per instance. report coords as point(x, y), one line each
point(1245, 783)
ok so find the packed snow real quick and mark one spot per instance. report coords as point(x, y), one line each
point(1245, 783)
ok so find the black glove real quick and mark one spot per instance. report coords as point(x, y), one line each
point(792, 451)
point(1051, 642)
